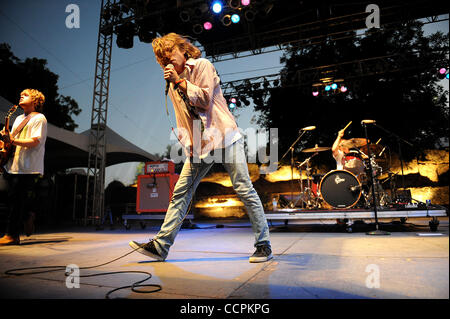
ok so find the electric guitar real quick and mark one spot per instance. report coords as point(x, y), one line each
point(6, 148)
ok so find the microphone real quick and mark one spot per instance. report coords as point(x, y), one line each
point(308, 128)
point(368, 121)
point(167, 81)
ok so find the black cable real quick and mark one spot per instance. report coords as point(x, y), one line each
point(134, 286)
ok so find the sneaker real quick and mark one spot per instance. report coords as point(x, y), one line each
point(147, 249)
point(263, 253)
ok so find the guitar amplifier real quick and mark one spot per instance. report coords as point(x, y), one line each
point(154, 192)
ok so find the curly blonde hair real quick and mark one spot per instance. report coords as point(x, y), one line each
point(165, 44)
point(37, 97)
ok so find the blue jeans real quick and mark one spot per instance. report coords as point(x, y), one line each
point(233, 159)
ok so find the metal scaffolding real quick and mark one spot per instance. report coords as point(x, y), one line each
point(95, 182)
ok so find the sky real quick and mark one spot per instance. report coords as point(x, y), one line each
point(136, 108)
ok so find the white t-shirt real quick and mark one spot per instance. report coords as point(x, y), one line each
point(338, 156)
point(29, 160)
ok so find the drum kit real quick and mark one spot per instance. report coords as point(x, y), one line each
point(350, 186)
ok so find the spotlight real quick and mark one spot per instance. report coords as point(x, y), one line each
point(197, 28)
point(233, 4)
point(343, 89)
point(207, 25)
point(250, 15)
point(327, 88)
point(334, 86)
point(245, 101)
point(232, 105)
point(226, 20)
point(315, 93)
point(185, 16)
point(235, 18)
point(146, 36)
point(443, 73)
point(233, 100)
point(245, 2)
point(217, 6)
point(125, 34)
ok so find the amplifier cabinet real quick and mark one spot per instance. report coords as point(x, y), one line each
point(154, 192)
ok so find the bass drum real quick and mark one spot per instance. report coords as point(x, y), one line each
point(340, 189)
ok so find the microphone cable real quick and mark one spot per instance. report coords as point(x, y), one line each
point(134, 287)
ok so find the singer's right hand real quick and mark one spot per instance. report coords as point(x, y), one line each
point(170, 74)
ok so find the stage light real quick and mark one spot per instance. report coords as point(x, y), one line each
point(185, 16)
point(232, 105)
point(250, 15)
point(233, 100)
point(245, 101)
point(446, 76)
point(343, 89)
point(125, 34)
point(207, 25)
point(316, 93)
point(217, 6)
point(233, 4)
point(146, 36)
point(327, 88)
point(235, 18)
point(226, 20)
point(245, 2)
point(197, 28)
point(442, 70)
point(334, 86)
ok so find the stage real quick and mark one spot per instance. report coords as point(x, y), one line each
point(312, 260)
point(355, 214)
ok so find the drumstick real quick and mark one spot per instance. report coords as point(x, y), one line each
point(347, 126)
point(378, 141)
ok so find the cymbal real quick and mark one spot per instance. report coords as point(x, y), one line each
point(375, 149)
point(316, 149)
point(355, 142)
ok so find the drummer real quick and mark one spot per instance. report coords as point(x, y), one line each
point(347, 158)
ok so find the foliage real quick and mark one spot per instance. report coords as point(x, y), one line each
point(33, 73)
point(391, 75)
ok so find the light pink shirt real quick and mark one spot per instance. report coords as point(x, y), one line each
point(205, 95)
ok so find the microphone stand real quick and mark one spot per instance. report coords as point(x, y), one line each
point(377, 231)
point(399, 139)
point(291, 149)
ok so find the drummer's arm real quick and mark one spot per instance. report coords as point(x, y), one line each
point(335, 146)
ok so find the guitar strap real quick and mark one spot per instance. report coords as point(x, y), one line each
point(21, 126)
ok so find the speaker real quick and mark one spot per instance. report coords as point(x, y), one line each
point(154, 192)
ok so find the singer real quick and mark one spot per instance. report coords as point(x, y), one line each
point(194, 89)
point(26, 163)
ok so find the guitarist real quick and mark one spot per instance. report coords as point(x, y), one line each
point(26, 162)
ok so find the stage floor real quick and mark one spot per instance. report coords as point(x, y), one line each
point(311, 261)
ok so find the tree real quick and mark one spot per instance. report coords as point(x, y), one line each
point(33, 73)
point(391, 75)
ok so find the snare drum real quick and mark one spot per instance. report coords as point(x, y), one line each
point(340, 189)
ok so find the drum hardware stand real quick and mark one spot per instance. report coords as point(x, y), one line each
point(377, 231)
point(309, 200)
point(399, 140)
point(291, 149)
